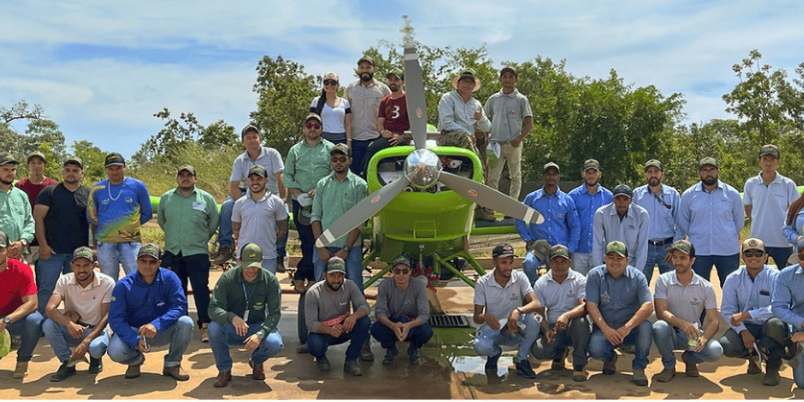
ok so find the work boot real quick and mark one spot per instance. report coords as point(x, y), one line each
point(64, 372)
point(353, 368)
point(302, 349)
point(580, 375)
point(205, 332)
point(753, 368)
point(95, 365)
point(366, 354)
point(524, 369)
point(772, 373)
point(413, 354)
point(484, 214)
point(558, 364)
point(491, 362)
point(20, 371)
point(223, 379)
point(133, 371)
point(257, 371)
point(692, 368)
point(666, 375)
point(610, 367)
point(280, 267)
point(224, 254)
point(390, 355)
point(322, 363)
point(640, 378)
point(176, 372)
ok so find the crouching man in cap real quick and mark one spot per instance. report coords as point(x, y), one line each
point(787, 304)
point(149, 309)
point(245, 310)
point(330, 321)
point(402, 312)
point(498, 307)
point(86, 295)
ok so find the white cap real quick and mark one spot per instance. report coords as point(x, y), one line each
point(305, 200)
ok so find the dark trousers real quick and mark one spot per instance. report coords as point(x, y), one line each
point(195, 268)
point(725, 264)
point(779, 255)
point(376, 146)
point(359, 148)
point(417, 336)
point(304, 269)
point(770, 337)
point(318, 344)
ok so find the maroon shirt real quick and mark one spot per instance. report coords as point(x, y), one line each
point(395, 112)
point(33, 190)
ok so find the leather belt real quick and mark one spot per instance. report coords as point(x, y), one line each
point(662, 242)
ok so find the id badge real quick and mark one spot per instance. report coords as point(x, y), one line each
point(245, 316)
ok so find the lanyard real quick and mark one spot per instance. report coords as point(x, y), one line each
point(246, 294)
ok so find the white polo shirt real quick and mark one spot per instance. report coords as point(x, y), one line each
point(85, 301)
point(560, 297)
point(500, 301)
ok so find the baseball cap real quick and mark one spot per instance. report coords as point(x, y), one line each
point(367, 59)
point(541, 249)
point(313, 116)
point(707, 161)
point(503, 250)
point(85, 252)
point(769, 149)
point(622, 189)
point(149, 249)
point(509, 69)
point(74, 159)
point(401, 259)
point(654, 163)
point(591, 164)
point(3, 239)
point(248, 128)
point(549, 165)
point(258, 170)
point(5, 157)
point(114, 159)
point(331, 76)
point(753, 244)
point(681, 245)
point(36, 153)
point(251, 256)
point(396, 72)
point(342, 148)
point(186, 167)
point(336, 264)
point(559, 250)
point(617, 247)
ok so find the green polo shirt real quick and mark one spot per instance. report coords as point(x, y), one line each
point(306, 165)
point(333, 198)
point(15, 215)
point(188, 221)
point(229, 299)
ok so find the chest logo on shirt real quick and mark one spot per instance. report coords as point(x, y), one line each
point(695, 301)
point(605, 298)
point(160, 304)
point(560, 215)
point(513, 296)
point(129, 200)
point(512, 113)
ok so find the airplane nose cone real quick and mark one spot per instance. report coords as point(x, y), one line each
point(422, 168)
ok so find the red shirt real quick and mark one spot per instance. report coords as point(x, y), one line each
point(395, 112)
point(16, 282)
point(33, 190)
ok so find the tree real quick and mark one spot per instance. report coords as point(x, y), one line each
point(93, 159)
point(21, 110)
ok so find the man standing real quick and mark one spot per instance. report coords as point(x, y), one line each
point(622, 221)
point(459, 114)
point(787, 304)
point(330, 321)
point(662, 203)
point(86, 296)
point(245, 309)
point(561, 224)
point(619, 304)
point(588, 197)
point(364, 95)
point(402, 312)
point(392, 121)
point(116, 208)
point(680, 298)
point(189, 217)
point(511, 121)
point(767, 196)
point(563, 291)
point(712, 215)
point(18, 302)
point(255, 154)
point(746, 306)
point(307, 163)
point(32, 186)
point(15, 210)
point(148, 309)
point(498, 308)
point(61, 227)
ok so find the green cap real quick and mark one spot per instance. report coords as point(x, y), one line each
point(681, 245)
point(251, 256)
point(591, 164)
point(769, 149)
point(258, 170)
point(149, 249)
point(75, 160)
point(654, 163)
point(341, 148)
point(707, 161)
point(336, 264)
point(559, 250)
point(5, 157)
point(401, 259)
point(550, 165)
point(396, 72)
point(617, 247)
point(186, 167)
point(36, 153)
point(85, 252)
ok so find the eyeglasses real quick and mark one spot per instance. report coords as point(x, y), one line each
point(148, 261)
point(312, 126)
point(753, 253)
point(330, 82)
point(403, 271)
point(336, 159)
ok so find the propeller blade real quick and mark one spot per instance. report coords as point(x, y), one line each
point(491, 198)
point(415, 100)
point(361, 212)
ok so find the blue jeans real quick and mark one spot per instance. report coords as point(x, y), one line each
point(225, 238)
point(487, 341)
point(530, 265)
point(47, 274)
point(317, 344)
point(582, 263)
point(111, 255)
point(576, 335)
point(417, 336)
point(61, 340)
point(779, 255)
point(359, 148)
point(656, 256)
point(354, 264)
point(194, 268)
point(177, 336)
point(641, 337)
point(725, 265)
point(305, 268)
point(668, 339)
point(221, 336)
point(30, 329)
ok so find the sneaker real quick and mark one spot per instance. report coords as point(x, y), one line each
point(205, 332)
point(95, 365)
point(133, 371)
point(223, 379)
point(524, 369)
point(640, 378)
point(413, 354)
point(692, 368)
point(322, 363)
point(771, 378)
point(366, 354)
point(558, 364)
point(753, 368)
point(176, 372)
point(484, 214)
point(21, 371)
point(257, 371)
point(390, 355)
point(225, 254)
point(302, 349)
point(491, 363)
point(64, 372)
point(666, 375)
point(580, 375)
point(353, 368)
point(610, 367)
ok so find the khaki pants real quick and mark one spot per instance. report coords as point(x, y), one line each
point(33, 255)
point(513, 158)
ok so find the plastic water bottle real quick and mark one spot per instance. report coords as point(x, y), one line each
point(692, 343)
point(285, 261)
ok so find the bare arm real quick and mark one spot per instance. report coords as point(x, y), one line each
point(39, 214)
point(283, 194)
point(281, 228)
point(234, 190)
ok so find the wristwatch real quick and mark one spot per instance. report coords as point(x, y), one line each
point(261, 335)
point(521, 310)
point(24, 242)
point(7, 320)
point(346, 248)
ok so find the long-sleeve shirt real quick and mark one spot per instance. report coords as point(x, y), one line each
point(321, 306)
point(713, 220)
point(632, 230)
point(233, 295)
point(743, 293)
point(118, 210)
point(456, 115)
point(306, 165)
point(663, 220)
point(794, 230)
point(188, 221)
point(587, 204)
point(333, 198)
point(16, 219)
point(411, 302)
point(561, 224)
point(507, 111)
point(136, 303)
point(769, 211)
point(365, 103)
point(787, 302)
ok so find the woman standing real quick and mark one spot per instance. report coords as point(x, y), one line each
point(334, 111)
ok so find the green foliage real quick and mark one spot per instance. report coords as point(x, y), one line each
point(93, 159)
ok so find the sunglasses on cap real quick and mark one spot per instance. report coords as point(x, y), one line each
point(330, 82)
point(311, 126)
point(402, 271)
point(753, 253)
point(336, 159)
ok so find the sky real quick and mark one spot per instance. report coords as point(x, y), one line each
point(101, 69)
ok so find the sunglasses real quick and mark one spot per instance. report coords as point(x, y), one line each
point(330, 82)
point(753, 253)
point(311, 126)
point(403, 271)
point(335, 159)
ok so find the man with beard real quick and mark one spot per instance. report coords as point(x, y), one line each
point(15, 210)
point(561, 224)
point(32, 186)
point(624, 221)
point(588, 197)
point(662, 203)
point(460, 115)
point(189, 217)
point(330, 321)
point(86, 296)
point(712, 215)
point(260, 217)
point(680, 298)
point(364, 95)
point(392, 121)
point(498, 308)
point(61, 227)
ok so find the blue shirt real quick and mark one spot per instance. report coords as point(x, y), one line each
point(632, 230)
point(663, 221)
point(769, 211)
point(787, 301)
point(586, 204)
point(713, 220)
point(561, 224)
point(136, 303)
point(617, 299)
point(795, 229)
point(743, 293)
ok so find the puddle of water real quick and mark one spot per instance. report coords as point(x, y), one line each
point(453, 349)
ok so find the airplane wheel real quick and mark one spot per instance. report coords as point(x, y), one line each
point(301, 324)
